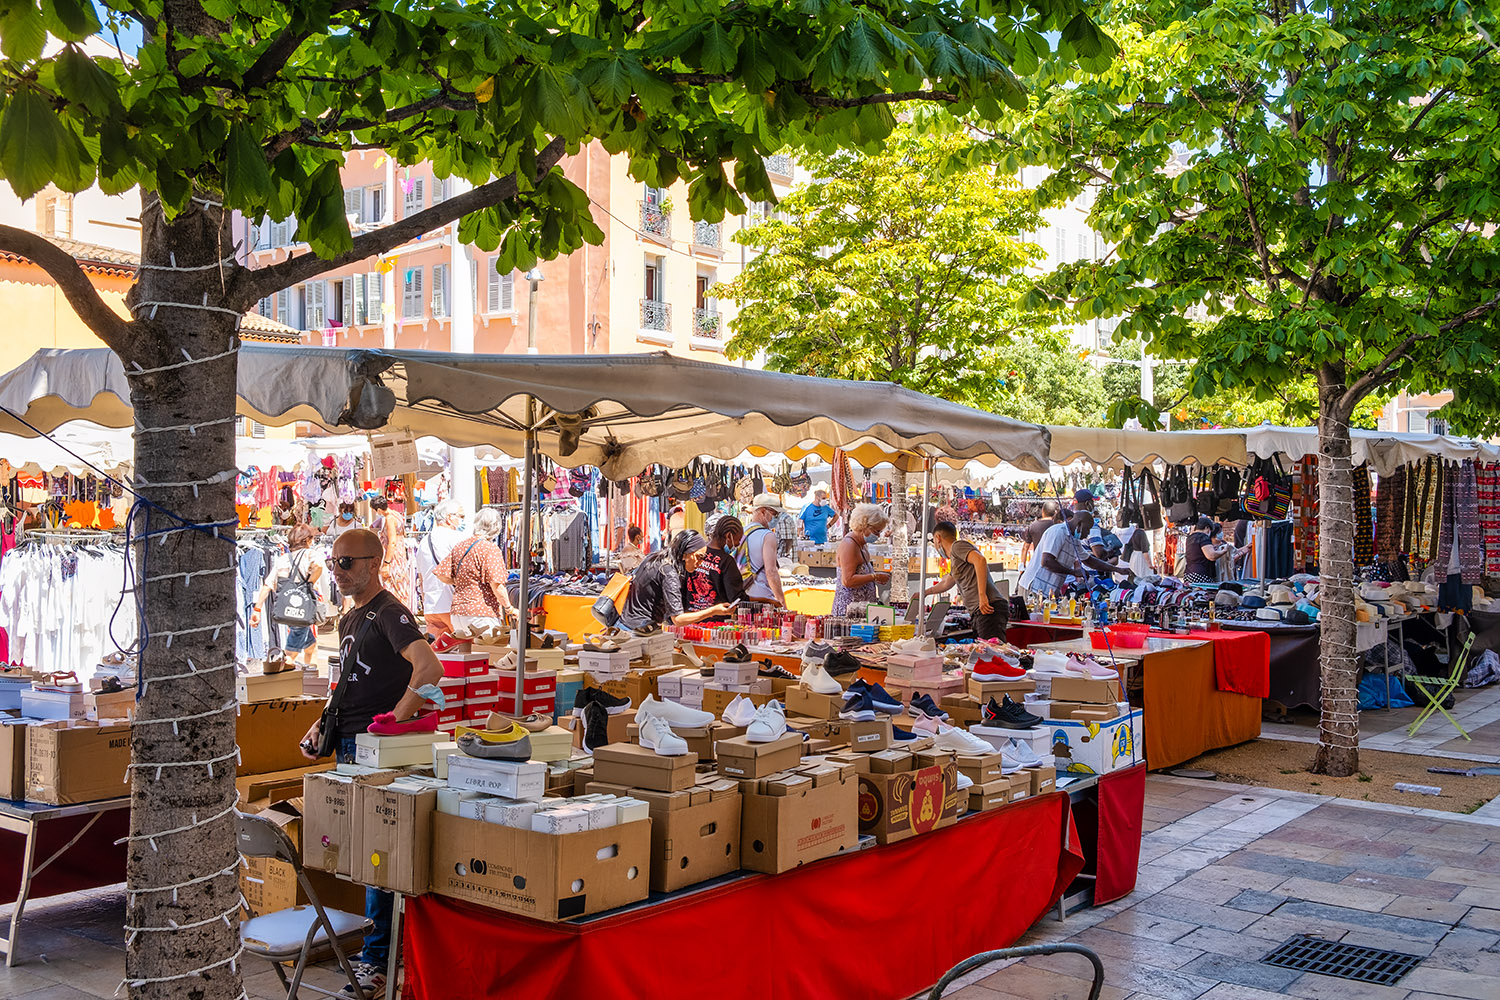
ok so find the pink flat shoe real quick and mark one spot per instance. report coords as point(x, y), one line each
point(385, 724)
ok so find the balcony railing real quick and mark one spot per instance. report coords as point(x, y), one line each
point(707, 234)
point(654, 221)
point(779, 163)
point(656, 315)
point(706, 323)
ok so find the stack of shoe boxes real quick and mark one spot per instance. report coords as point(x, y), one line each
point(454, 704)
point(805, 813)
point(904, 794)
point(408, 750)
point(538, 692)
point(695, 832)
point(906, 673)
point(743, 760)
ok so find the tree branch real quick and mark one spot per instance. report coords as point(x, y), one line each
point(108, 325)
point(251, 286)
point(284, 46)
point(818, 101)
point(1468, 316)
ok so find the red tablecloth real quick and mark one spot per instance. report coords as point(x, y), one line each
point(1242, 660)
point(883, 922)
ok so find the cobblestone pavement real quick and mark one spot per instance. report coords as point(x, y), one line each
point(1227, 874)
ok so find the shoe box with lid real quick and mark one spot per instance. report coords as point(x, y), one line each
point(792, 818)
point(742, 759)
point(13, 757)
point(475, 664)
point(604, 666)
point(860, 737)
point(71, 761)
point(805, 701)
point(638, 767)
point(700, 739)
point(617, 729)
point(695, 832)
point(963, 709)
point(544, 876)
point(985, 690)
point(904, 691)
point(1086, 690)
point(905, 794)
point(406, 750)
point(990, 795)
point(904, 668)
point(1097, 748)
point(1076, 711)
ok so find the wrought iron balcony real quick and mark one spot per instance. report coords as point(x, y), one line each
point(706, 323)
point(656, 315)
point(707, 234)
point(779, 163)
point(654, 221)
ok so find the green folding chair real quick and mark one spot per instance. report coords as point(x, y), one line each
point(1444, 687)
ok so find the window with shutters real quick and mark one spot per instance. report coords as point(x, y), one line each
point(357, 305)
point(354, 205)
point(315, 305)
point(440, 189)
point(411, 294)
point(297, 318)
point(501, 290)
point(374, 296)
point(474, 284)
point(1083, 246)
point(267, 308)
point(415, 198)
point(338, 298)
point(284, 307)
point(440, 291)
point(375, 203)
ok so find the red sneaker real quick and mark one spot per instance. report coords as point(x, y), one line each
point(996, 668)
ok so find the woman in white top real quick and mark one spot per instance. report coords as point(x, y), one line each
point(299, 564)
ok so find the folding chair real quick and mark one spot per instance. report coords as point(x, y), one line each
point(294, 933)
point(1445, 686)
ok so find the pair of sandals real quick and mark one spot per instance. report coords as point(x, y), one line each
point(276, 662)
point(61, 682)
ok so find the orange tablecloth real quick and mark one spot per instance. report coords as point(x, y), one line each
point(1186, 714)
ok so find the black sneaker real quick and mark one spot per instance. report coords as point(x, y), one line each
point(771, 670)
point(600, 697)
point(840, 662)
point(595, 726)
point(1008, 715)
point(737, 654)
point(923, 704)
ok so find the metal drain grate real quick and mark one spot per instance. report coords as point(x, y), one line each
point(1346, 961)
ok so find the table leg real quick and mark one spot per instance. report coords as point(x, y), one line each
point(393, 960)
point(27, 855)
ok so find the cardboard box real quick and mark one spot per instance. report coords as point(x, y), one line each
point(330, 837)
point(456, 664)
point(894, 807)
point(1094, 748)
point(13, 758)
point(863, 737)
point(903, 668)
point(981, 770)
point(116, 705)
point(395, 841)
point(269, 885)
point(991, 795)
point(604, 666)
point(963, 710)
point(1020, 786)
point(1086, 690)
point(638, 767)
point(411, 750)
point(56, 705)
point(1043, 780)
point(260, 790)
point(524, 780)
point(983, 691)
point(538, 875)
point(695, 833)
point(269, 733)
point(535, 683)
point(781, 832)
point(253, 688)
point(739, 758)
point(1069, 710)
point(805, 701)
point(735, 673)
point(701, 740)
point(716, 699)
point(70, 762)
point(646, 681)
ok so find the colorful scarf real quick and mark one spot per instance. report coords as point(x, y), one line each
point(1488, 476)
point(1364, 541)
point(1390, 516)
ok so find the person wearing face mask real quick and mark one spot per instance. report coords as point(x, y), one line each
point(762, 543)
point(437, 596)
point(1063, 554)
point(969, 570)
point(656, 589)
point(857, 579)
point(388, 667)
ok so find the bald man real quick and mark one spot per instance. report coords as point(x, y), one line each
point(384, 659)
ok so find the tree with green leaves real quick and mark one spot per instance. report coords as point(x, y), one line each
point(253, 107)
point(1319, 178)
point(891, 266)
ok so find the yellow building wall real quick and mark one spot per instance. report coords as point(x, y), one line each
point(38, 316)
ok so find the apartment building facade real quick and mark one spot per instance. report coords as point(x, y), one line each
point(644, 289)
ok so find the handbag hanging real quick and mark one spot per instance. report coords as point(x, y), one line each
point(682, 485)
point(1130, 503)
point(1151, 518)
point(1206, 498)
point(649, 482)
point(801, 483)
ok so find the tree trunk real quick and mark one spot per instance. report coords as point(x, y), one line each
point(1338, 728)
point(900, 538)
point(182, 919)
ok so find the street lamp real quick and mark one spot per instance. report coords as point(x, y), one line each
point(535, 277)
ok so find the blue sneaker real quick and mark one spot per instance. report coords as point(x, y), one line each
point(859, 706)
point(884, 700)
point(923, 704)
point(903, 735)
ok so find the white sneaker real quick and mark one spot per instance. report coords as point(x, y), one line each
point(739, 712)
point(1049, 664)
point(1022, 752)
point(815, 678)
point(769, 724)
point(673, 714)
point(371, 980)
point(961, 741)
point(916, 646)
point(656, 735)
point(964, 781)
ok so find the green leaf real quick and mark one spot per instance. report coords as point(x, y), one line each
point(247, 178)
point(83, 81)
point(719, 51)
point(23, 32)
point(73, 20)
point(32, 142)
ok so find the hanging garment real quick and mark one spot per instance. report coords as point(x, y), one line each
point(1390, 514)
point(1460, 526)
point(1488, 485)
point(1364, 540)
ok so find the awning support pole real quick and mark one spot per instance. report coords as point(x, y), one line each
point(926, 530)
point(523, 611)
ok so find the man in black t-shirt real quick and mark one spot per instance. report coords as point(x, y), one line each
point(388, 660)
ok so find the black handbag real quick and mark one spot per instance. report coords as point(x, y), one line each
point(328, 724)
point(294, 604)
point(1130, 501)
point(1150, 512)
point(1179, 497)
point(1227, 487)
point(1206, 498)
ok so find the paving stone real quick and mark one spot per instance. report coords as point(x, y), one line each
point(1428, 909)
point(1420, 887)
point(1466, 876)
point(1034, 980)
point(1367, 938)
point(1147, 925)
point(58, 991)
point(1195, 911)
point(1487, 898)
point(1242, 878)
point(1482, 918)
point(1402, 865)
point(1312, 985)
point(1451, 983)
point(1224, 969)
point(1292, 849)
point(1234, 991)
point(14, 982)
point(1438, 858)
point(1337, 894)
point(1273, 865)
point(1132, 949)
point(1256, 901)
point(1242, 945)
point(1421, 930)
point(1216, 893)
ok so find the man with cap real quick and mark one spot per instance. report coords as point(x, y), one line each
point(1083, 500)
point(1062, 554)
point(761, 543)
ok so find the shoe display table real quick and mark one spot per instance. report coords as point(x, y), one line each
point(77, 842)
point(1191, 691)
point(1030, 633)
point(879, 922)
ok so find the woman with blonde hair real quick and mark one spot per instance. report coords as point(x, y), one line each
point(857, 579)
point(476, 571)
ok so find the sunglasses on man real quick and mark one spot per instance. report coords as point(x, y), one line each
point(347, 562)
